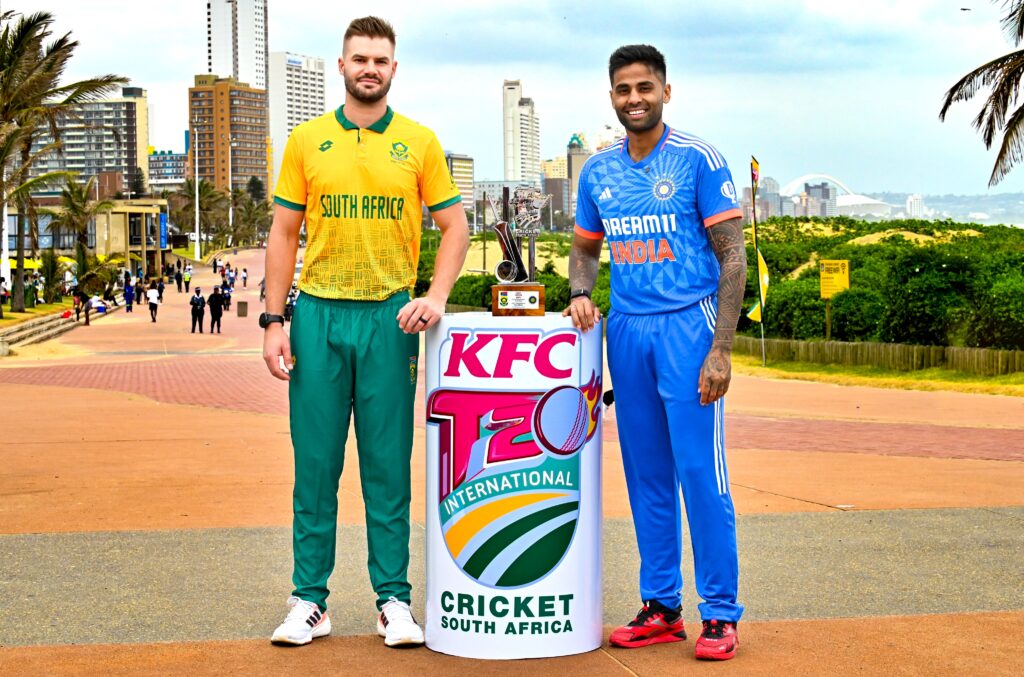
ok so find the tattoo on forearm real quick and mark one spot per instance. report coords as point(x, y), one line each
point(583, 267)
point(731, 252)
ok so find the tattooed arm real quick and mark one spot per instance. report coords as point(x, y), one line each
point(584, 261)
point(731, 251)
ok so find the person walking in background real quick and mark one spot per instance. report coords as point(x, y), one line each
point(198, 304)
point(178, 277)
point(216, 303)
point(186, 277)
point(215, 266)
point(245, 278)
point(129, 296)
point(160, 287)
point(153, 296)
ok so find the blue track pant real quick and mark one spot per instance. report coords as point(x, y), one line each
point(670, 442)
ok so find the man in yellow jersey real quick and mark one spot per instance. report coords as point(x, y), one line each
point(358, 176)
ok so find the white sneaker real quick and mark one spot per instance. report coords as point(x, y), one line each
point(397, 626)
point(304, 622)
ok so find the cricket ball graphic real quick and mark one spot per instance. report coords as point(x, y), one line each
point(561, 420)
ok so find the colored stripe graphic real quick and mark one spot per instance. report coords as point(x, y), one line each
point(496, 544)
point(460, 533)
point(540, 558)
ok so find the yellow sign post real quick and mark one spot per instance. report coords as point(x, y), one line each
point(835, 277)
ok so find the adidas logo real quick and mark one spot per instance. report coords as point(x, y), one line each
point(606, 194)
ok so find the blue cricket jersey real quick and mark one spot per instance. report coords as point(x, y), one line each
point(654, 214)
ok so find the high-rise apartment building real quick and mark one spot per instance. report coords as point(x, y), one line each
point(521, 132)
point(236, 40)
point(108, 135)
point(915, 207)
point(167, 170)
point(576, 154)
point(228, 116)
point(461, 169)
point(555, 169)
point(821, 199)
point(296, 95)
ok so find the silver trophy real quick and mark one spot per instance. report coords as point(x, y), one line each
point(520, 217)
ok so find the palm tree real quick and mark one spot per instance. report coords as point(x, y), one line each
point(1003, 76)
point(16, 186)
point(32, 97)
point(77, 212)
point(212, 204)
point(252, 220)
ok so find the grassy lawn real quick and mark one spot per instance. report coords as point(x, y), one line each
point(11, 319)
point(925, 379)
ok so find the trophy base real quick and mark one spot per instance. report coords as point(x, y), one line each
point(521, 299)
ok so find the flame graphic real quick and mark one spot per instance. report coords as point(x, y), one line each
point(592, 391)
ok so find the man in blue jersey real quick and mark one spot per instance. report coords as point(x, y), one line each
point(665, 202)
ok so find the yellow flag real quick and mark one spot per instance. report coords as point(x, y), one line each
point(762, 273)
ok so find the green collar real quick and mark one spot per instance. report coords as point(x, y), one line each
point(380, 126)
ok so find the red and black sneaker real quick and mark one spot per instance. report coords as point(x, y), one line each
point(718, 641)
point(654, 624)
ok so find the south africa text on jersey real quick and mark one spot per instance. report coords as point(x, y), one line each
point(352, 206)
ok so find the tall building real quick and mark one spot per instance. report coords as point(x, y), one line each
point(461, 169)
point(228, 116)
point(554, 169)
point(167, 170)
point(521, 128)
point(108, 135)
point(821, 199)
point(296, 95)
point(576, 154)
point(915, 207)
point(236, 40)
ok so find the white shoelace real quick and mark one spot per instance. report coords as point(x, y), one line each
point(300, 611)
point(397, 610)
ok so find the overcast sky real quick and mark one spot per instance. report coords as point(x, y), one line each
point(850, 89)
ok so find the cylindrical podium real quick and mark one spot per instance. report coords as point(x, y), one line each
point(513, 487)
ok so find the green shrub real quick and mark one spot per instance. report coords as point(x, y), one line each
point(997, 320)
point(794, 310)
point(857, 314)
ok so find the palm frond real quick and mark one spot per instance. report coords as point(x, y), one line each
point(992, 73)
point(1011, 151)
point(1013, 21)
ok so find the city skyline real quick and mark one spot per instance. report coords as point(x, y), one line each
point(807, 87)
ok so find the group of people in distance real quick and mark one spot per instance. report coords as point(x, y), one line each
point(216, 302)
point(669, 336)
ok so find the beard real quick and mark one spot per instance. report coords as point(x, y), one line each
point(352, 87)
point(650, 121)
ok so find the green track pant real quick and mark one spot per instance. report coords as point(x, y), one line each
point(351, 357)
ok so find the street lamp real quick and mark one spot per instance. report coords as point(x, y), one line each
point(195, 180)
point(231, 190)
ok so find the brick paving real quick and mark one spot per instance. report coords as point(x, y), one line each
point(241, 383)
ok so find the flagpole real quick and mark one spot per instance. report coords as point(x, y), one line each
point(757, 256)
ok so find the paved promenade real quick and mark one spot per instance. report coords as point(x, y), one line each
point(145, 509)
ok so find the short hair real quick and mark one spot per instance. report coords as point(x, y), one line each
point(630, 54)
point(370, 27)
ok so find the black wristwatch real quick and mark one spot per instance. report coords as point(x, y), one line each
point(579, 292)
point(266, 319)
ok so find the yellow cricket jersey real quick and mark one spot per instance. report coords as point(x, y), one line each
point(361, 191)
